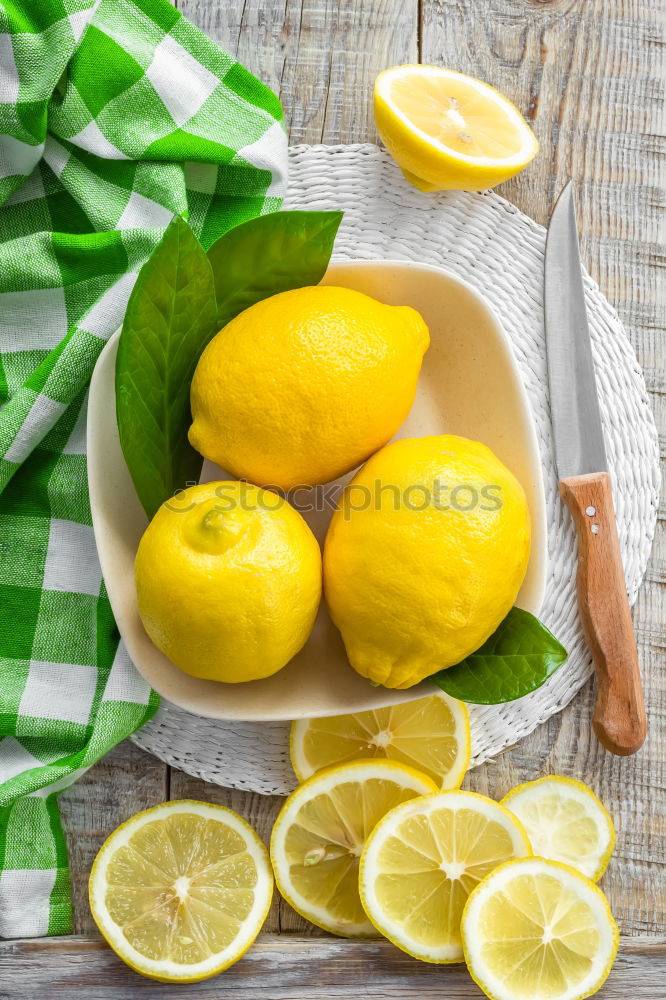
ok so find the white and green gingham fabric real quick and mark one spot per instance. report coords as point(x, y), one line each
point(114, 115)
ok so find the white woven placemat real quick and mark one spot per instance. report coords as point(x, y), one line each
point(493, 246)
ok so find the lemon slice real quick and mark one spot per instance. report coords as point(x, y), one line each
point(431, 734)
point(320, 831)
point(447, 130)
point(538, 930)
point(181, 891)
point(565, 821)
point(422, 861)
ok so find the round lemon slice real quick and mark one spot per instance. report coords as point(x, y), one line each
point(538, 930)
point(565, 821)
point(422, 861)
point(447, 130)
point(431, 734)
point(320, 831)
point(181, 891)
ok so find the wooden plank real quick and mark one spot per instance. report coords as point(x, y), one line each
point(589, 74)
point(323, 969)
point(321, 56)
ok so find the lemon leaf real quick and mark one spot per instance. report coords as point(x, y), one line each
point(181, 298)
point(169, 320)
point(518, 658)
point(270, 254)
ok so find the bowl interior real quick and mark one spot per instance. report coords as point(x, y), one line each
point(469, 385)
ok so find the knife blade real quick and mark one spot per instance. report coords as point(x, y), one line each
point(579, 439)
point(619, 717)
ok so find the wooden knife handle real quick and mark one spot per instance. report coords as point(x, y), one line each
point(619, 716)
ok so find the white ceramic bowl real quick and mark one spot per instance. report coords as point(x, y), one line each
point(469, 385)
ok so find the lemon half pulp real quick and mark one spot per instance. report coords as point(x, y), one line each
point(565, 821)
point(319, 834)
point(181, 891)
point(423, 859)
point(431, 734)
point(447, 130)
point(538, 930)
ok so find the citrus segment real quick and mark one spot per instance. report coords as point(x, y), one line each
point(538, 930)
point(448, 130)
point(565, 821)
point(431, 734)
point(181, 891)
point(320, 831)
point(422, 861)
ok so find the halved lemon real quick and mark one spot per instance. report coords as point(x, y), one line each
point(447, 130)
point(538, 930)
point(320, 831)
point(431, 734)
point(181, 891)
point(565, 821)
point(423, 859)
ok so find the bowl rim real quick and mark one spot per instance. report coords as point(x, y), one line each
point(388, 696)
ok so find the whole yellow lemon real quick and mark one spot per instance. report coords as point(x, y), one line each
point(303, 386)
point(424, 556)
point(228, 581)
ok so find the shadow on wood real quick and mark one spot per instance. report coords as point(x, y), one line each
point(286, 967)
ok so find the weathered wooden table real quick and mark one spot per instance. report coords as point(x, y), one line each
point(590, 76)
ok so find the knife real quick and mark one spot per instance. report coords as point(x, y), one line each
point(585, 487)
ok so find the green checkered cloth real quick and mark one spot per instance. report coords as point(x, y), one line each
point(114, 115)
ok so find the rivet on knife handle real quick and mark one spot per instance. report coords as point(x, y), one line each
point(619, 716)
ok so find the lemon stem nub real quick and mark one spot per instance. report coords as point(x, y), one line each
point(215, 532)
point(214, 520)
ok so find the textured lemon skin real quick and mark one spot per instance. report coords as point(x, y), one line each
point(228, 581)
point(429, 168)
point(415, 590)
point(303, 386)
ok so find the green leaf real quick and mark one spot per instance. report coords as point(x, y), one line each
point(518, 658)
point(182, 297)
point(270, 254)
point(169, 320)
